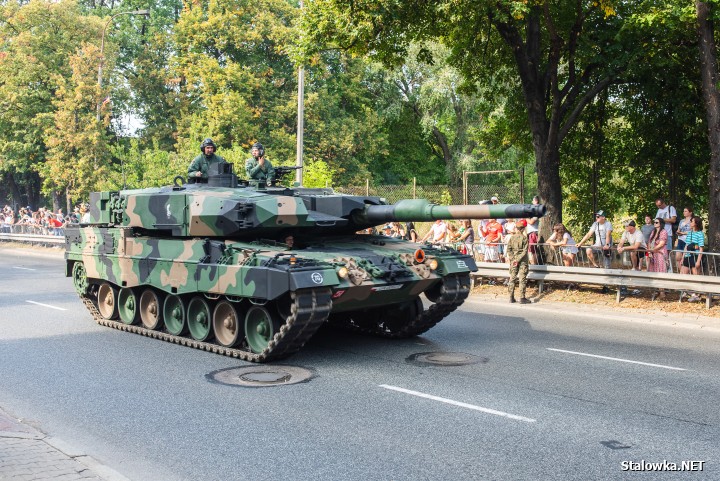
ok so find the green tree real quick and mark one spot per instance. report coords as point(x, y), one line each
point(142, 87)
point(36, 41)
point(142, 166)
point(707, 13)
point(77, 156)
point(562, 55)
point(238, 84)
point(430, 89)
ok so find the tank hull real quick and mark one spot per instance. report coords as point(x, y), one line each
point(354, 280)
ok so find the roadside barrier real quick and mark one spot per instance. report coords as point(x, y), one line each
point(33, 239)
point(620, 274)
point(32, 229)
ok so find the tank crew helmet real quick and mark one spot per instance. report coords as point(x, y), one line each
point(207, 142)
point(259, 147)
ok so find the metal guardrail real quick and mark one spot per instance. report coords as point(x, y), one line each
point(618, 278)
point(32, 229)
point(619, 272)
point(33, 238)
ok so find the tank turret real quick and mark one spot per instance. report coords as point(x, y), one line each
point(245, 211)
point(252, 271)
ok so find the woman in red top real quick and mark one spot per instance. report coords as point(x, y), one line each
point(493, 235)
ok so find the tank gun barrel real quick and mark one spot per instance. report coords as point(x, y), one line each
point(420, 210)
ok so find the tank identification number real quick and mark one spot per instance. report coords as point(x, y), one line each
point(317, 278)
point(391, 287)
point(462, 265)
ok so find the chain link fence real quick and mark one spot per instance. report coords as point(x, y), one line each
point(439, 194)
point(506, 194)
point(506, 185)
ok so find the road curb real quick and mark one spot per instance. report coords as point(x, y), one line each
point(12, 428)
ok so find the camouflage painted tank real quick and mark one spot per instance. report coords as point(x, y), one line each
point(207, 266)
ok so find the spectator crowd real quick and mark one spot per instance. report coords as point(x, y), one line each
point(41, 221)
point(665, 242)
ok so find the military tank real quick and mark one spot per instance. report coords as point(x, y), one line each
point(252, 271)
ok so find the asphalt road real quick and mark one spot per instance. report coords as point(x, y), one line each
point(555, 394)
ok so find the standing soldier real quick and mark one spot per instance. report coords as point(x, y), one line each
point(200, 166)
point(517, 254)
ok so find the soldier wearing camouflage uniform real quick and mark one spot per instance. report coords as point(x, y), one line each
point(517, 254)
point(200, 166)
point(258, 167)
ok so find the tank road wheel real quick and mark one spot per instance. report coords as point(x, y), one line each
point(107, 301)
point(174, 315)
point(150, 310)
point(80, 280)
point(128, 306)
point(260, 327)
point(226, 324)
point(198, 319)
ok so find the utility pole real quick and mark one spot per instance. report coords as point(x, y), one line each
point(300, 120)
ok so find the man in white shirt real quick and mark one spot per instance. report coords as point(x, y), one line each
point(636, 241)
point(669, 215)
point(438, 231)
point(602, 229)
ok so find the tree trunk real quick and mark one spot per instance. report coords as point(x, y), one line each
point(709, 74)
point(15, 189)
point(56, 199)
point(68, 201)
point(447, 155)
point(549, 189)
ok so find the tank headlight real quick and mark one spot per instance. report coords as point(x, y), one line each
point(433, 264)
point(342, 273)
point(419, 256)
point(293, 260)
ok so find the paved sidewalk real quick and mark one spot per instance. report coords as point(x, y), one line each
point(27, 454)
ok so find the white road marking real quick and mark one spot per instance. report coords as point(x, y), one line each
point(23, 268)
point(46, 305)
point(458, 403)
point(618, 359)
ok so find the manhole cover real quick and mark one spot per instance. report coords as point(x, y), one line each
point(445, 359)
point(260, 376)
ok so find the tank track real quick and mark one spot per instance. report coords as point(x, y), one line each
point(453, 292)
point(308, 312)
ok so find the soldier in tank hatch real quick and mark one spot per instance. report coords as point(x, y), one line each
point(258, 167)
point(200, 166)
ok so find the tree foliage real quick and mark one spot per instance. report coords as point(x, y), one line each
point(77, 156)
point(608, 104)
point(37, 40)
